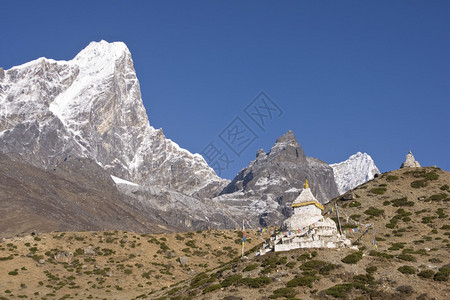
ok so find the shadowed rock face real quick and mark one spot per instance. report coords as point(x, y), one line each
point(75, 195)
point(277, 178)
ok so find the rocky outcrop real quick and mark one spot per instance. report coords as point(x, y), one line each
point(356, 170)
point(265, 189)
point(284, 167)
point(410, 161)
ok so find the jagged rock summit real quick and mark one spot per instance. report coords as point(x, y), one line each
point(265, 188)
point(285, 166)
point(356, 170)
point(410, 161)
point(91, 106)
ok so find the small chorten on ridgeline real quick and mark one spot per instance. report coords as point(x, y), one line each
point(410, 161)
point(307, 228)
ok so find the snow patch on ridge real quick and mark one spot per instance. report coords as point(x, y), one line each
point(293, 190)
point(118, 180)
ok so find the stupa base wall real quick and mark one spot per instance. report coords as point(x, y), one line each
point(308, 244)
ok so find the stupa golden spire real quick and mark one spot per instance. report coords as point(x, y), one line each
point(306, 184)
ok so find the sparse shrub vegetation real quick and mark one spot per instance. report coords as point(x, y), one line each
point(407, 270)
point(378, 190)
point(191, 243)
point(375, 212)
point(392, 223)
point(427, 220)
point(354, 204)
point(229, 281)
point(438, 197)
point(211, 288)
point(355, 217)
point(426, 274)
point(419, 184)
point(443, 274)
point(396, 246)
point(431, 176)
point(318, 265)
point(391, 178)
point(307, 280)
point(250, 267)
point(380, 254)
point(163, 246)
point(402, 202)
point(146, 275)
point(406, 257)
point(304, 256)
point(352, 258)
point(405, 289)
point(441, 214)
point(201, 279)
point(291, 264)
point(283, 292)
point(339, 290)
point(256, 282)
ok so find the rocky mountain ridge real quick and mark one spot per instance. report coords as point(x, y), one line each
point(89, 110)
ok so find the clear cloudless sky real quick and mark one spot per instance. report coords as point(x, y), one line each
point(369, 76)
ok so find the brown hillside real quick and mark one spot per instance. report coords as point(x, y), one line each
point(75, 195)
point(412, 260)
point(110, 264)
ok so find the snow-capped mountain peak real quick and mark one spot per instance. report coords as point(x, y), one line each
point(354, 171)
point(91, 106)
point(101, 51)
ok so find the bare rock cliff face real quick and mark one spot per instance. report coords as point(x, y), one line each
point(91, 107)
point(265, 189)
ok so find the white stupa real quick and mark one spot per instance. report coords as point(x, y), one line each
point(307, 228)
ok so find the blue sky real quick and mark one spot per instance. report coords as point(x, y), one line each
point(369, 76)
